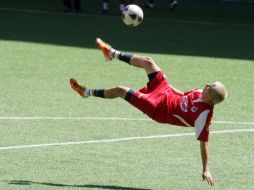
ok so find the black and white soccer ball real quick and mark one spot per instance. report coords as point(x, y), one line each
point(132, 15)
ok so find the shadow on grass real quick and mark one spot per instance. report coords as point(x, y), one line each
point(164, 36)
point(109, 187)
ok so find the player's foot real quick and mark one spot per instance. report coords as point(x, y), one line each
point(173, 5)
point(78, 88)
point(105, 48)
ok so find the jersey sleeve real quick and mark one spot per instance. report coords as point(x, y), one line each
point(202, 125)
point(197, 90)
point(188, 92)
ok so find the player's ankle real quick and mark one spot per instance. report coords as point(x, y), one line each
point(114, 53)
point(95, 92)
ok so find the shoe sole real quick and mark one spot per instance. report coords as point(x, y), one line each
point(76, 87)
point(102, 46)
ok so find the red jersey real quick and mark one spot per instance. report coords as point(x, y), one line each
point(160, 102)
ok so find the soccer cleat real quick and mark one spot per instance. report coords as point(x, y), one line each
point(78, 88)
point(105, 48)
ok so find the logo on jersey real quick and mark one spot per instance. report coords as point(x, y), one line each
point(194, 109)
point(184, 104)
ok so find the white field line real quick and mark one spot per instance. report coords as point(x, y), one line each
point(95, 15)
point(109, 118)
point(103, 141)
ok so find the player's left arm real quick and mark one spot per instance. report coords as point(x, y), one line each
point(204, 155)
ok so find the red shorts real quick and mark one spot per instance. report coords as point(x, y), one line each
point(149, 98)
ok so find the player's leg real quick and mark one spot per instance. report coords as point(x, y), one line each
point(150, 4)
point(77, 5)
point(144, 62)
point(172, 4)
point(116, 92)
point(67, 5)
point(109, 93)
point(121, 5)
point(105, 7)
point(134, 98)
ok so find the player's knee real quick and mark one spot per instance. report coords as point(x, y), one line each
point(149, 61)
point(150, 65)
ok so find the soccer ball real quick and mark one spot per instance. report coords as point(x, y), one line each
point(132, 15)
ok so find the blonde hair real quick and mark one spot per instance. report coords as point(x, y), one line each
point(219, 93)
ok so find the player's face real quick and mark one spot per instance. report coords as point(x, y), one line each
point(207, 91)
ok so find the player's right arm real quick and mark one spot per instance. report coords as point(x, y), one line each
point(204, 155)
point(202, 125)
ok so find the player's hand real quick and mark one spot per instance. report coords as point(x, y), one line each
point(208, 177)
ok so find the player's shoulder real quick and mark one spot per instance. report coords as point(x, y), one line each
point(197, 92)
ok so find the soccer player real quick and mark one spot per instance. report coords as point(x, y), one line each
point(172, 4)
point(122, 4)
point(105, 6)
point(161, 101)
point(69, 4)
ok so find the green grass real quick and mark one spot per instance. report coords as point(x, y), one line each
point(38, 56)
